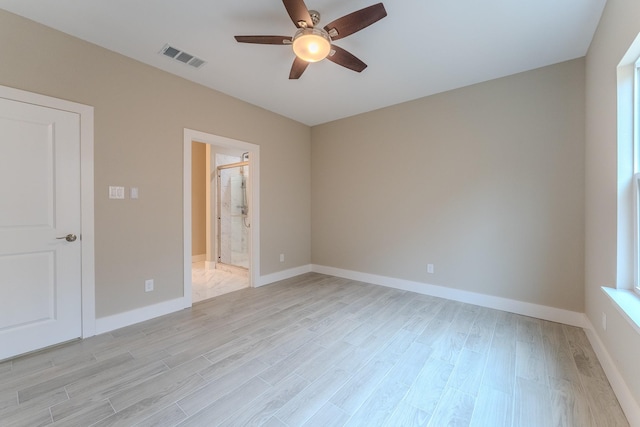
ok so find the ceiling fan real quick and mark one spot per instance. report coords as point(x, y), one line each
point(311, 44)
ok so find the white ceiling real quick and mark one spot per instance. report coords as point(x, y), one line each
point(422, 47)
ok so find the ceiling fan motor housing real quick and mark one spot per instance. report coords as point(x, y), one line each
point(315, 17)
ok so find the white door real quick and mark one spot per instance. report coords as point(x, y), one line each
point(40, 268)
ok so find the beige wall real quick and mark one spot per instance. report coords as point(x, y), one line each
point(198, 198)
point(140, 114)
point(485, 182)
point(618, 28)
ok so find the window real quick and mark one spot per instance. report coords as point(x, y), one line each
point(626, 292)
point(628, 165)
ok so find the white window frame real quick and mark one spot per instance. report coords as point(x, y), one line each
point(636, 175)
point(636, 224)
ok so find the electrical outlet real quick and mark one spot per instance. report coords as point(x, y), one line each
point(148, 285)
point(604, 321)
point(281, 257)
point(430, 268)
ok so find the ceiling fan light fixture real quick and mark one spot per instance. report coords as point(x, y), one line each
point(311, 44)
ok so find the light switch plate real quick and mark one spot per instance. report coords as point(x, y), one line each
point(116, 192)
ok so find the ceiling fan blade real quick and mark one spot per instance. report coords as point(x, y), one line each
point(346, 59)
point(298, 12)
point(264, 39)
point(297, 68)
point(355, 21)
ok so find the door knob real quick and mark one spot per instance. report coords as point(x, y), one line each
point(69, 237)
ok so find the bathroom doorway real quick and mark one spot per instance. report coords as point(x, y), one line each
point(223, 213)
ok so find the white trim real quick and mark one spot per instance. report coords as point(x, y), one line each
point(284, 274)
point(625, 397)
point(88, 224)
point(187, 297)
point(636, 229)
point(627, 303)
point(128, 318)
point(86, 194)
point(519, 307)
point(190, 136)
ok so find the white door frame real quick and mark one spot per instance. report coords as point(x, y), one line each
point(87, 235)
point(190, 136)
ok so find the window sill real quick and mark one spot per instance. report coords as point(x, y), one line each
point(628, 304)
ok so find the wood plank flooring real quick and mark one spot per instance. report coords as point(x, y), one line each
point(317, 350)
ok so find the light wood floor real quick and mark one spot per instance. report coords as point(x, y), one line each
point(317, 351)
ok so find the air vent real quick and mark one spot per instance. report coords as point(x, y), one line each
point(182, 56)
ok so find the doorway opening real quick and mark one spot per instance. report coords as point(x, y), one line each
point(220, 220)
point(221, 215)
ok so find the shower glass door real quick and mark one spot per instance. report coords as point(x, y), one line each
point(233, 211)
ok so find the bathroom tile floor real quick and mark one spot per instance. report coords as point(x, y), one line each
point(206, 283)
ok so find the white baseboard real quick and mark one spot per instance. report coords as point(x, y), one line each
point(519, 307)
point(198, 258)
point(282, 275)
point(619, 386)
point(120, 320)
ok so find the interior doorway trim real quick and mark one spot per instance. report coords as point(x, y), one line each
point(190, 136)
point(86, 195)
